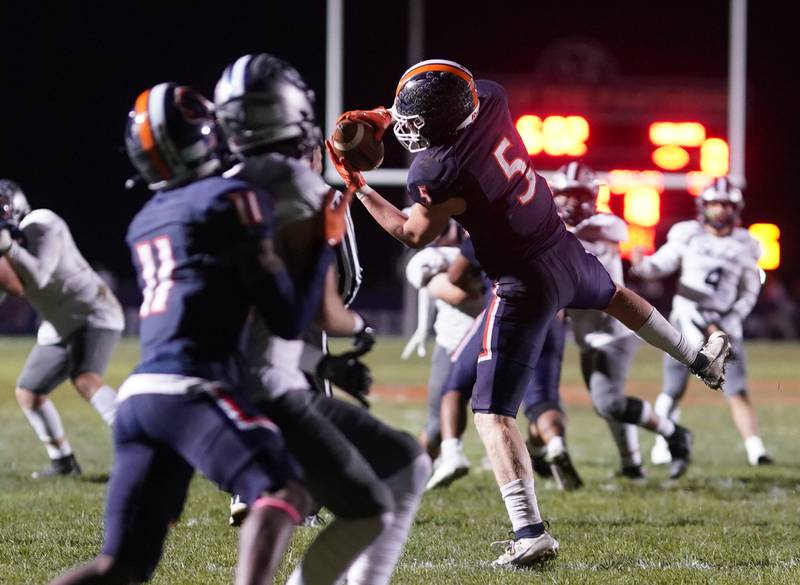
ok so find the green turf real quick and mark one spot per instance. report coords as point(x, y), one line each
point(725, 522)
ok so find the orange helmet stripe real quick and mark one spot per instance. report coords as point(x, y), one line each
point(439, 67)
point(146, 135)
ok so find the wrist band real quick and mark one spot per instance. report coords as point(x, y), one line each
point(361, 195)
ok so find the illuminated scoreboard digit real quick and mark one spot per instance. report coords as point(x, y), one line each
point(638, 133)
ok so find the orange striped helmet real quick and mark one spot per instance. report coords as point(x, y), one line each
point(435, 99)
point(171, 136)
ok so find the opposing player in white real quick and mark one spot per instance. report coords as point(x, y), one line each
point(607, 347)
point(718, 287)
point(81, 321)
point(456, 310)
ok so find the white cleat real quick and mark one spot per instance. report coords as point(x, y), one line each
point(448, 471)
point(716, 351)
point(660, 455)
point(238, 511)
point(526, 551)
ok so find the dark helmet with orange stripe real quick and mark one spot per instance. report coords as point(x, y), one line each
point(263, 104)
point(171, 136)
point(434, 100)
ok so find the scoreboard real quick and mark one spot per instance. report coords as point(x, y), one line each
point(656, 142)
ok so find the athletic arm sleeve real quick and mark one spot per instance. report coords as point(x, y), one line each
point(36, 263)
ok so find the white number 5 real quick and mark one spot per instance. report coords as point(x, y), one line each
point(516, 167)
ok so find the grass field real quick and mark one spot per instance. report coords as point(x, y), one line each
point(724, 522)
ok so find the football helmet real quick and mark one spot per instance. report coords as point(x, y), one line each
point(171, 136)
point(721, 190)
point(262, 100)
point(575, 188)
point(13, 203)
point(433, 101)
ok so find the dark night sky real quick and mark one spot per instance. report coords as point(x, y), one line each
point(71, 71)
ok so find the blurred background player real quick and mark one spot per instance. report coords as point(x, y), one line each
point(474, 167)
point(718, 287)
point(546, 418)
point(204, 256)
point(369, 475)
point(81, 322)
point(455, 310)
point(607, 347)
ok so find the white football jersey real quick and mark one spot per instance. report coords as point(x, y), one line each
point(719, 279)
point(59, 283)
point(600, 234)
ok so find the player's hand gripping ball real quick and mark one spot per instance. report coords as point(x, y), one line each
point(355, 142)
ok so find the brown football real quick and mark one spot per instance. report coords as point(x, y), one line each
point(9, 281)
point(355, 142)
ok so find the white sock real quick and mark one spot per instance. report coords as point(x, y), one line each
point(555, 447)
point(105, 403)
point(659, 333)
point(663, 405)
point(46, 422)
point(755, 449)
point(520, 500)
point(626, 438)
point(675, 416)
point(331, 553)
point(375, 565)
point(452, 449)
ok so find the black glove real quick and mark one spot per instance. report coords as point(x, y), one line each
point(348, 373)
point(364, 339)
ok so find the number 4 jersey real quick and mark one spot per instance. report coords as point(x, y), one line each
point(719, 280)
point(510, 213)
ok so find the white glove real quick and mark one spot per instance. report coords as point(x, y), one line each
point(5, 240)
point(420, 336)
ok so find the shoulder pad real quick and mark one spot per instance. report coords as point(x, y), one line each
point(684, 231)
point(602, 226)
point(753, 245)
point(432, 176)
point(42, 217)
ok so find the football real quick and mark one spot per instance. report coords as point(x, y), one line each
point(354, 141)
point(9, 281)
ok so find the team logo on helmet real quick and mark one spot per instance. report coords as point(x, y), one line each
point(434, 100)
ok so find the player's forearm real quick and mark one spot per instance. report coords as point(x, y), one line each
point(656, 266)
point(391, 219)
point(32, 271)
point(441, 288)
point(334, 318)
point(749, 288)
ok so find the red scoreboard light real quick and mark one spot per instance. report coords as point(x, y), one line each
point(554, 135)
point(767, 235)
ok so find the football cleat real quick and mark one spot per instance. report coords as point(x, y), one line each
point(66, 465)
point(448, 471)
point(659, 454)
point(238, 512)
point(680, 448)
point(541, 466)
point(715, 351)
point(564, 473)
point(526, 551)
point(764, 460)
point(634, 473)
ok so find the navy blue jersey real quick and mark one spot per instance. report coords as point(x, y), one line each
point(510, 212)
point(194, 304)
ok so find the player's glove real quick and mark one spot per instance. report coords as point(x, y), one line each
point(416, 342)
point(379, 118)
point(348, 373)
point(353, 179)
point(335, 222)
point(364, 339)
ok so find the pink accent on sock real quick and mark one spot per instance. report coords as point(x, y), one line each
point(290, 510)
